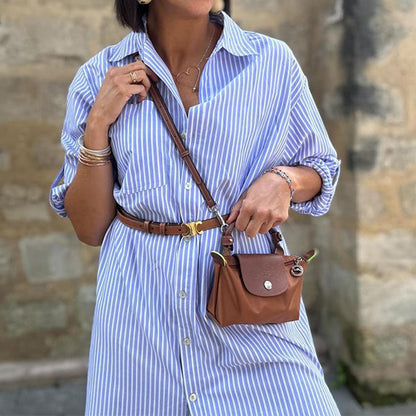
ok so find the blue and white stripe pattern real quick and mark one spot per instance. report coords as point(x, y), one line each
point(154, 350)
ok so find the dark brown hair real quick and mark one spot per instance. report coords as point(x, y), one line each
point(129, 13)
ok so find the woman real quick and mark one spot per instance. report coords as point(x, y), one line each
point(243, 106)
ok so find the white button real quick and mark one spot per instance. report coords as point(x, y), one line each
point(192, 397)
point(183, 135)
point(182, 294)
point(186, 239)
point(188, 186)
point(186, 341)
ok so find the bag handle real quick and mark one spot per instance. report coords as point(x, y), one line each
point(227, 240)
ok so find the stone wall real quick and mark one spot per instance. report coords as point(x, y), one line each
point(377, 341)
point(359, 57)
point(47, 277)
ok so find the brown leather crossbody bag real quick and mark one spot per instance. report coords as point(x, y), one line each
point(248, 288)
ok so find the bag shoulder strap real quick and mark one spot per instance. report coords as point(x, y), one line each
point(183, 151)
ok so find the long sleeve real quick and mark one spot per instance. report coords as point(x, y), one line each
point(79, 103)
point(308, 144)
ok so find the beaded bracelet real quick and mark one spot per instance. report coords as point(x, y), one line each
point(284, 175)
point(90, 157)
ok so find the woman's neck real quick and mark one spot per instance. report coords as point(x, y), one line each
point(180, 41)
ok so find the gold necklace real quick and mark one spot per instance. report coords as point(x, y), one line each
point(194, 68)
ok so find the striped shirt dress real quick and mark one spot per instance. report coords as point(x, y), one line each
point(154, 350)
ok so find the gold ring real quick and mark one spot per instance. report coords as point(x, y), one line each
point(133, 77)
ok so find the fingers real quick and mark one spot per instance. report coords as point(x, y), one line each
point(140, 66)
point(141, 78)
point(134, 66)
point(235, 210)
point(247, 210)
point(123, 82)
point(137, 89)
point(254, 220)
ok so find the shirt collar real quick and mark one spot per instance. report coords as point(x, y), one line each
point(234, 39)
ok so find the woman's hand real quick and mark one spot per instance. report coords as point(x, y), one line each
point(264, 205)
point(117, 89)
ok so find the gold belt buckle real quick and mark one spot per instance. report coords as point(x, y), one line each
point(193, 228)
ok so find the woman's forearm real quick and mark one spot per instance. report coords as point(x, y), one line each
point(306, 182)
point(89, 200)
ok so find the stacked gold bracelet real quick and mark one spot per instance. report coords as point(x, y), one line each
point(91, 157)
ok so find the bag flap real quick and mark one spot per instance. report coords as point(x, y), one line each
point(263, 274)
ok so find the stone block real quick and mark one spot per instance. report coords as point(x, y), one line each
point(387, 255)
point(48, 154)
point(5, 160)
point(23, 203)
point(341, 294)
point(51, 257)
point(86, 303)
point(71, 344)
point(27, 39)
point(20, 319)
point(370, 32)
point(7, 262)
point(370, 204)
point(387, 302)
point(391, 347)
point(52, 100)
point(379, 153)
point(405, 5)
point(111, 32)
point(373, 101)
point(22, 98)
point(76, 4)
point(408, 198)
point(398, 154)
point(364, 155)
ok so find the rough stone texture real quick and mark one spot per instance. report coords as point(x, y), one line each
point(51, 257)
point(373, 273)
point(21, 319)
point(7, 262)
point(47, 154)
point(408, 198)
point(20, 203)
point(4, 160)
point(359, 58)
point(85, 309)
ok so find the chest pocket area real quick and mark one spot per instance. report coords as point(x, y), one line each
point(141, 147)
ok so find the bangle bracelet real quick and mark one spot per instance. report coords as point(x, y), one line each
point(100, 152)
point(284, 175)
point(90, 157)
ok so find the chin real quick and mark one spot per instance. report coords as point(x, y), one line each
point(191, 8)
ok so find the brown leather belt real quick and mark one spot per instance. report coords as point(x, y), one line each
point(188, 229)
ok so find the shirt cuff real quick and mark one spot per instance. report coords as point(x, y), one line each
point(329, 172)
point(57, 195)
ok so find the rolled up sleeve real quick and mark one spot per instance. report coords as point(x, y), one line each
point(308, 144)
point(79, 103)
